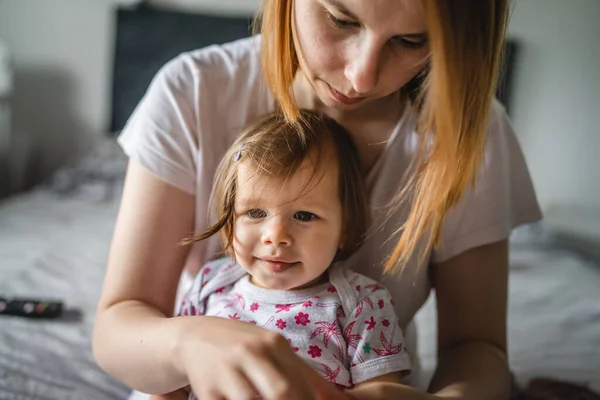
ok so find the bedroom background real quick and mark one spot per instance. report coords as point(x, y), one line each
point(57, 106)
point(63, 53)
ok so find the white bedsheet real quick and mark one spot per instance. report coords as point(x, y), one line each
point(54, 243)
point(554, 315)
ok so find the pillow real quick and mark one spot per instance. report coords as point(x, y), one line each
point(576, 226)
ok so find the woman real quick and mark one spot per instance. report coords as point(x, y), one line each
point(413, 84)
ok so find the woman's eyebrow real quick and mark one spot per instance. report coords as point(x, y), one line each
point(341, 8)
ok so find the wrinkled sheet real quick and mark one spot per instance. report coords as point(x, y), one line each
point(54, 244)
point(554, 311)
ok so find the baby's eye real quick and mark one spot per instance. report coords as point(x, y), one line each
point(256, 214)
point(305, 216)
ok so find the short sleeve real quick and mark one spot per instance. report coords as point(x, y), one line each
point(374, 337)
point(191, 303)
point(161, 132)
point(211, 276)
point(502, 198)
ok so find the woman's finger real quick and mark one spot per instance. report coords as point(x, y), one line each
point(235, 385)
point(224, 383)
point(273, 380)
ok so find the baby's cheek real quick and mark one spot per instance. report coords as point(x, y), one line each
point(243, 245)
point(245, 236)
point(328, 242)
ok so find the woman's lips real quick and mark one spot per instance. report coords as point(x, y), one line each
point(343, 98)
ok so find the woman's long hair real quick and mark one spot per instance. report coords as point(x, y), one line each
point(454, 96)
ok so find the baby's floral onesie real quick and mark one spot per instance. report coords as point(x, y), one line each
point(346, 329)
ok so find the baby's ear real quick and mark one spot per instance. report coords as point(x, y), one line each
point(340, 250)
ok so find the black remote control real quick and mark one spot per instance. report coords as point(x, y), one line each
point(31, 308)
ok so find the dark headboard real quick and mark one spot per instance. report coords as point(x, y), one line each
point(147, 38)
point(507, 73)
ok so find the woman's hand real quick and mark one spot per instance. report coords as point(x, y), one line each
point(229, 359)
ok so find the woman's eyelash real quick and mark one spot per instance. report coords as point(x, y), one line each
point(409, 44)
point(343, 24)
point(340, 23)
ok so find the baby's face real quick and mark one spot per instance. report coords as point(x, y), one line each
point(287, 232)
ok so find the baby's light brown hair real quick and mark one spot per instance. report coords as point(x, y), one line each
point(276, 149)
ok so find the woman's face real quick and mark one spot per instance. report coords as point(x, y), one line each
point(353, 52)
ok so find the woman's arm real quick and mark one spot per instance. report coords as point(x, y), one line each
point(472, 291)
point(377, 388)
point(133, 339)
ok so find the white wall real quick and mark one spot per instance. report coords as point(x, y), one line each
point(63, 55)
point(62, 52)
point(557, 98)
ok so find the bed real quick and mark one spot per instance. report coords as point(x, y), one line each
point(54, 243)
point(554, 305)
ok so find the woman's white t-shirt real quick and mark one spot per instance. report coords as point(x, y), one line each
point(202, 100)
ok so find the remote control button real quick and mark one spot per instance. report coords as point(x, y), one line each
point(28, 308)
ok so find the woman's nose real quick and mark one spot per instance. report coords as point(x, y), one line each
point(277, 232)
point(362, 65)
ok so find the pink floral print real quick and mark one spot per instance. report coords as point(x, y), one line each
point(314, 351)
point(282, 307)
point(302, 319)
point(370, 323)
point(281, 324)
